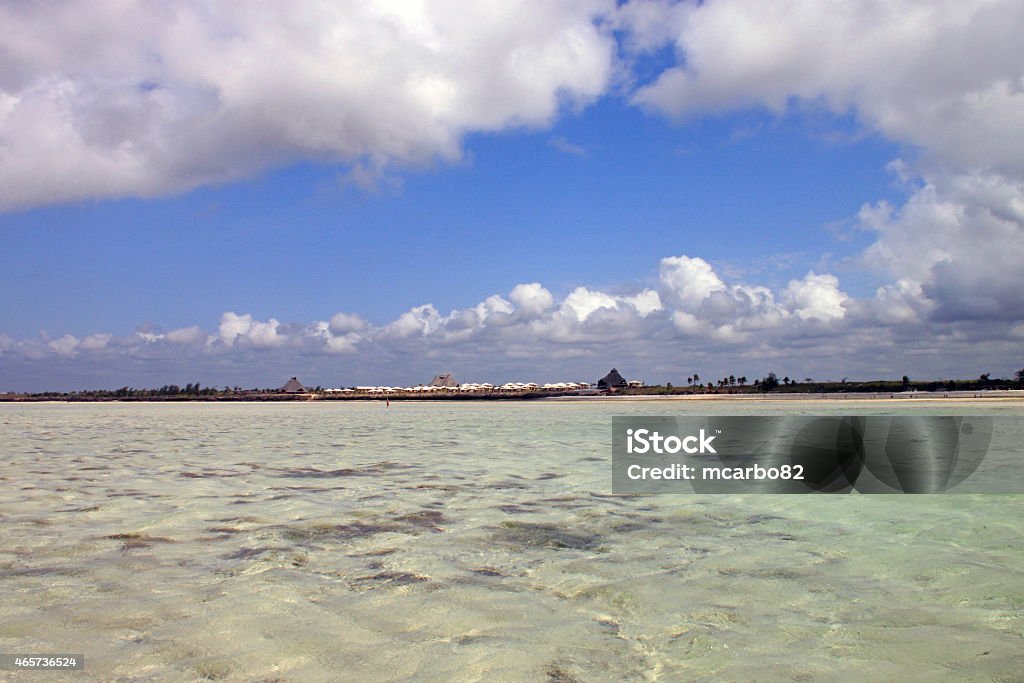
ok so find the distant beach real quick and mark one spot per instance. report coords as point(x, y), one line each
point(1013, 396)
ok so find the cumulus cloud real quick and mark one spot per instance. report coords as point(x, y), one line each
point(107, 99)
point(957, 242)
point(645, 303)
point(66, 346)
point(697, 317)
point(582, 302)
point(815, 297)
point(244, 330)
point(342, 323)
point(688, 281)
point(945, 78)
point(95, 342)
point(186, 335)
point(416, 322)
point(531, 299)
point(944, 75)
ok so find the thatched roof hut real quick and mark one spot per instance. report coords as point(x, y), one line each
point(613, 380)
point(445, 380)
point(293, 386)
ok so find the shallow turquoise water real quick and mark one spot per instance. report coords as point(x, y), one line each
point(475, 541)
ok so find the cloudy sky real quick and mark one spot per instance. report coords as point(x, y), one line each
point(374, 192)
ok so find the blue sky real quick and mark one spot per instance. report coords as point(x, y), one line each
point(296, 243)
point(816, 220)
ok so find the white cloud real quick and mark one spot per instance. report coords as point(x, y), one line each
point(899, 303)
point(186, 335)
point(265, 334)
point(563, 145)
point(66, 346)
point(687, 282)
point(342, 344)
point(646, 302)
point(342, 323)
point(491, 305)
point(416, 322)
point(583, 302)
point(341, 335)
point(531, 299)
point(945, 75)
point(688, 323)
point(244, 330)
point(107, 98)
point(700, 319)
point(233, 326)
point(958, 241)
point(815, 297)
point(95, 342)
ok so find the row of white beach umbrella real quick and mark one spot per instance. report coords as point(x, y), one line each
point(469, 387)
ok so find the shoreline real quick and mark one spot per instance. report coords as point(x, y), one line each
point(1012, 395)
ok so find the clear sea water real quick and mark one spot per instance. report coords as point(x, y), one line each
point(474, 541)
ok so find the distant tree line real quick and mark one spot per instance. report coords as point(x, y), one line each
point(694, 384)
point(771, 382)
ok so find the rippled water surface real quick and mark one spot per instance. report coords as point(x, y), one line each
point(474, 541)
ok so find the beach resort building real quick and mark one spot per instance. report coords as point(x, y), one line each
point(293, 386)
point(613, 380)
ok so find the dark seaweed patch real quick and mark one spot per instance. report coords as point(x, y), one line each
point(556, 674)
point(438, 487)
point(210, 473)
point(488, 571)
point(340, 532)
point(760, 519)
point(390, 579)
point(514, 509)
point(135, 541)
point(549, 536)
point(411, 523)
point(424, 519)
point(314, 473)
point(246, 553)
point(317, 473)
point(41, 571)
point(139, 537)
